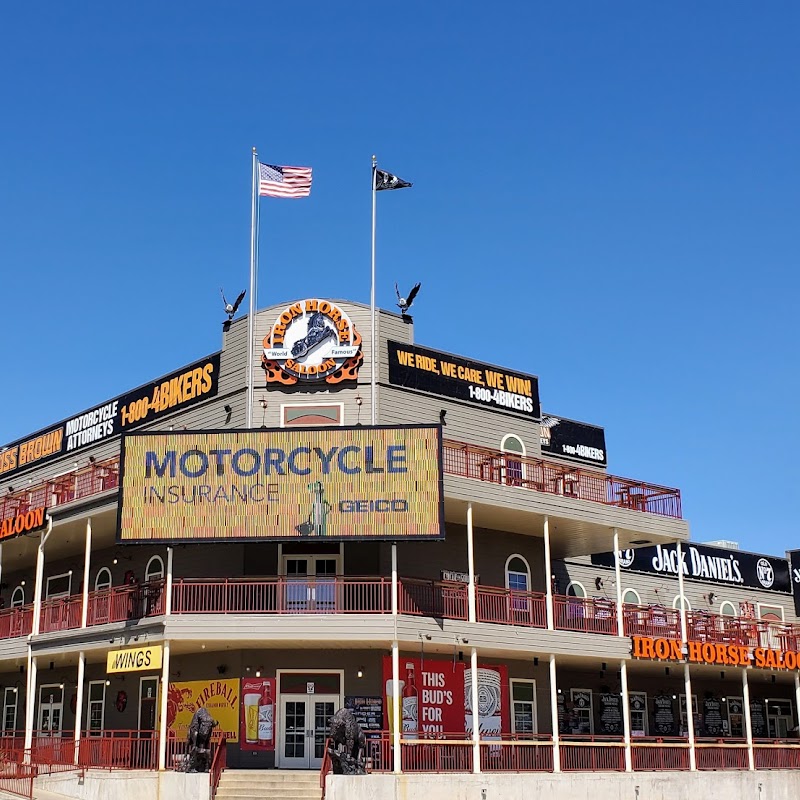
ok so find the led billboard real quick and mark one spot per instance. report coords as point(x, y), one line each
point(288, 484)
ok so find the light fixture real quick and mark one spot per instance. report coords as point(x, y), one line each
point(666, 670)
point(91, 459)
point(360, 673)
point(442, 417)
point(536, 661)
point(640, 541)
point(359, 401)
point(603, 666)
point(258, 673)
point(559, 691)
point(724, 699)
point(11, 490)
point(598, 583)
point(108, 683)
point(114, 562)
point(61, 686)
point(263, 403)
point(711, 597)
point(227, 408)
point(202, 647)
point(247, 669)
point(674, 697)
point(722, 674)
point(773, 679)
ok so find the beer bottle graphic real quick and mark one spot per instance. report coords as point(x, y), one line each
point(410, 704)
point(317, 522)
point(266, 716)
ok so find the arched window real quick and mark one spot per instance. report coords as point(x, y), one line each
point(154, 570)
point(728, 609)
point(632, 596)
point(575, 589)
point(518, 574)
point(102, 580)
point(676, 603)
point(513, 472)
point(18, 597)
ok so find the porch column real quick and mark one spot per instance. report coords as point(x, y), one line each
point(618, 574)
point(684, 626)
point(162, 724)
point(748, 725)
point(476, 717)
point(37, 585)
point(79, 704)
point(30, 702)
point(548, 578)
point(87, 563)
point(797, 696)
point(471, 604)
point(394, 580)
point(396, 715)
point(687, 688)
point(626, 714)
point(168, 585)
point(554, 714)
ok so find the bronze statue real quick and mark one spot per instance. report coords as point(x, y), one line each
point(199, 739)
point(348, 744)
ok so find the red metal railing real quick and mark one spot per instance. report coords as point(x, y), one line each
point(656, 755)
point(655, 621)
point(325, 768)
point(17, 621)
point(379, 752)
point(585, 614)
point(433, 598)
point(592, 754)
point(124, 749)
point(772, 754)
point(15, 777)
point(721, 754)
point(451, 753)
point(62, 613)
point(507, 607)
point(538, 475)
point(517, 754)
point(335, 595)
point(218, 764)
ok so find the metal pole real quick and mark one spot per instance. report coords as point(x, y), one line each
point(87, 563)
point(30, 703)
point(618, 575)
point(251, 322)
point(168, 585)
point(548, 576)
point(626, 714)
point(79, 704)
point(554, 715)
point(395, 701)
point(162, 724)
point(748, 725)
point(37, 587)
point(687, 689)
point(394, 580)
point(471, 600)
point(684, 625)
point(373, 344)
point(476, 717)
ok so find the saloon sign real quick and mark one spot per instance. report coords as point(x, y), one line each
point(715, 653)
point(312, 341)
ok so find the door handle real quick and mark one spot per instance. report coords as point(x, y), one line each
point(309, 733)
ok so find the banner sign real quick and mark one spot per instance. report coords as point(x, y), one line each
point(257, 724)
point(219, 697)
point(484, 385)
point(23, 522)
point(610, 712)
point(178, 390)
point(368, 712)
point(134, 659)
point(436, 698)
point(705, 563)
point(280, 485)
point(794, 568)
point(663, 715)
point(577, 441)
point(723, 655)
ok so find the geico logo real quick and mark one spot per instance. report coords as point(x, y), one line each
point(350, 460)
point(373, 506)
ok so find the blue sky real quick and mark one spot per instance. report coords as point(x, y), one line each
point(605, 195)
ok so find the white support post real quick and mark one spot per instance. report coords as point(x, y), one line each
point(687, 689)
point(394, 581)
point(471, 602)
point(79, 704)
point(30, 703)
point(797, 697)
point(748, 724)
point(684, 625)
point(476, 717)
point(87, 564)
point(626, 714)
point(37, 585)
point(162, 724)
point(554, 715)
point(548, 569)
point(395, 701)
point(168, 586)
point(618, 578)
point(1, 561)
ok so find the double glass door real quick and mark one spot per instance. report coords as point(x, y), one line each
point(304, 721)
point(310, 583)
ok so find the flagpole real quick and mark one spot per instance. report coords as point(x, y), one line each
point(373, 344)
point(251, 323)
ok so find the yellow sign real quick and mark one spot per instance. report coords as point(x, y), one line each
point(288, 484)
point(134, 659)
point(219, 697)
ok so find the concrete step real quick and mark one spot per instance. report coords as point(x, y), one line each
point(262, 792)
point(271, 775)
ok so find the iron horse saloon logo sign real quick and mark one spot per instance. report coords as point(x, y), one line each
point(312, 340)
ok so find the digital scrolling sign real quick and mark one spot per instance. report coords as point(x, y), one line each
point(286, 484)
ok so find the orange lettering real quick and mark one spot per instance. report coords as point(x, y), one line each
point(694, 651)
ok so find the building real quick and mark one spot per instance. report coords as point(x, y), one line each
point(120, 618)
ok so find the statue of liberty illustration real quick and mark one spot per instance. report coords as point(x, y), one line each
point(316, 524)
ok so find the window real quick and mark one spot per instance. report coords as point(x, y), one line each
point(10, 709)
point(637, 702)
point(676, 603)
point(728, 609)
point(769, 613)
point(312, 414)
point(581, 718)
point(103, 579)
point(97, 701)
point(632, 596)
point(154, 570)
point(59, 585)
point(523, 706)
point(575, 589)
point(513, 466)
point(18, 597)
point(518, 574)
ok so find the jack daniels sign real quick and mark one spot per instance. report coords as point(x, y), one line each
point(705, 563)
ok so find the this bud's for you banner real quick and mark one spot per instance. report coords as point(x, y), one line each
point(436, 698)
point(258, 714)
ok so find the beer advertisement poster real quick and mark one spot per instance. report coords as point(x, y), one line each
point(257, 723)
point(219, 697)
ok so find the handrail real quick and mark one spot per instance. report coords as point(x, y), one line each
point(325, 767)
point(218, 765)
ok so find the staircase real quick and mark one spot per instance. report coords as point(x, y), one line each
point(269, 784)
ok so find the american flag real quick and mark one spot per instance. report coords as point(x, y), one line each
point(283, 181)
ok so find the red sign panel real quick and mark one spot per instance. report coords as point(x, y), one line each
point(257, 726)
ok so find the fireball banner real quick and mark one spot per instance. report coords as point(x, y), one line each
point(220, 698)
